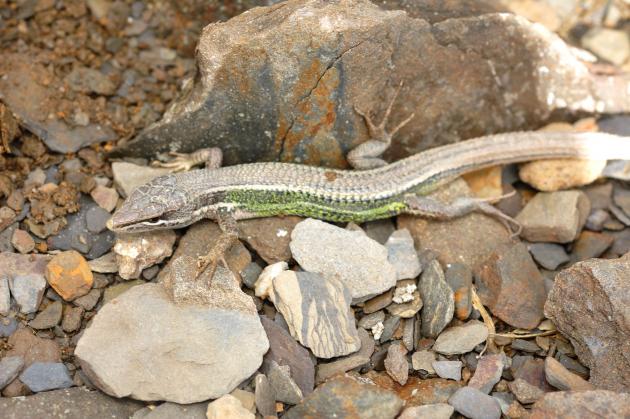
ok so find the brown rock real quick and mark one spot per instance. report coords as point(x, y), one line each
point(22, 241)
point(69, 274)
point(49, 317)
point(72, 319)
point(590, 245)
point(459, 278)
point(9, 129)
point(343, 364)
point(533, 372)
point(563, 379)
point(269, 237)
point(554, 217)
point(488, 372)
point(511, 286)
point(582, 405)
point(33, 348)
point(396, 363)
point(524, 391)
point(417, 392)
point(379, 302)
point(596, 320)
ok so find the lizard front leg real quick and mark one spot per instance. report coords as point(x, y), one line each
point(229, 236)
point(183, 162)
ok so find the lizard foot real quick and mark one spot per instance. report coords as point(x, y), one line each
point(183, 162)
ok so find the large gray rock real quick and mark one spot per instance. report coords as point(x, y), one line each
point(359, 262)
point(280, 83)
point(144, 346)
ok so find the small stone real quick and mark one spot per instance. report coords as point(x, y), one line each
point(563, 379)
point(105, 197)
point(423, 360)
point(129, 176)
point(88, 80)
point(32, 348)
point(28, 291)
point(357, 261)
point(96, 219)
point(89, 301)
point(264, 284)
point(488, 372)
point(44, 376)
point(396, 363)
point(346, 397)
point(408, 309)
point(5, 295)
point(72, 319)
point(370, 320)
point(428, 411)
point(379, 302)
point(597, 219)
point(555, 174)
point(330, 369)
point(10, 367)
point(265, 396)
point(554, 217)
point(269, 237)
point(247, 399)
point(250, 274)
point(525, 345)
point(459, 277)
point(410, 330)
point(402, 254)
point(285, 389)
point(582, 404)
point(610, 44)
point(474, 404)
point(590, 245)
point(390, 326)
point(524, 391)
point(451, 370)
point(116, 290)
point(511, 286)
point(49, 317)
point(69, 275)
point(22, 241)
point(325, 324)
point(105, 264)
point(136, 252)
point(438, 300)
point(461, 339)
point(228, 406)
point(548, 255)
point(8, 326)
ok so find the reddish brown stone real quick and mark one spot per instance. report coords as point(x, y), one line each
point(417, 392)
point(533, 371)
point(488, 372)
point(269, 237)
point(563, 379)
point(69, 274)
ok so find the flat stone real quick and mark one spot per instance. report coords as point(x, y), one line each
point(136, 252)
point(32, 348)
point(247, 399)
point(285, 389)
point(339, 366)
point(347, 397)
point(402, 255)
point(5, 295)
point(44, 376)
point(284, 350)
point(461, 339)
point(26, 278)
point(89, 301)
point(197, 341)
point(610, 44)
point(556, 174)
point(423, 360)
point(71, 403)
point(597, 219)
point(265, 396)
point(69, 275)
point(563, 379)
point(390, 326)
point(590, 245)
point(357, 261)
point(10, 367)
point(129, 176)
point(511, 286)
point(269, 237)
point(379, 302)
point(531, 370)
point(548, 255)
point(582, 404)
point(554, 216)
point(417, 391)
point(451, 370)
point(438, 300)
point(396, 363)
point(370, 320)
point(96, 219)
point(228, 407)
point(597, 320)
point(49, 317)
point(459, 277)
point(524, 391)
point(22, 241)
point(104, 264)
point(412, 305)
point(429, 411)
point(105, 197)
point(72, 319)
point(474, 404)
point(173, 410)
point(488, 372)
point(325, 324)
point(8, 325)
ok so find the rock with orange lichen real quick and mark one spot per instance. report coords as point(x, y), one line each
point(69, 274)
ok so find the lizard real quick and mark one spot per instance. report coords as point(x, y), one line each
point(380, 190)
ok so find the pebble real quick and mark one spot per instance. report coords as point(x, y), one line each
point(563, 379)
point(250, 274)
point(44, 376)
point(461, 339)
point(69, 275)
point(511, 286)
point(96, 219)
point(390, 325)
point(556, 217)
point(49, 317)
point(196, 340)
point(459, 277)
point(451, 370)
point(597, 219)
point(72, 319)
point(170, 410)
point(590, 245)
point(548, 255)
point(5, 295)
point(22, 241)
point(402, 254)
point(105, 197)
point(474, 404)
point(438, 298)
point(32, 348)
point(5, 238)
point(555, 174)
point(423, 361)
point(105, 264)
point(488, 372)
point(396, 363)
point(263, 285)
point(370, 320)
point(285, 389)
point(269, 237)
point(324, 324)
point(10, 367)
point(265, 396)
point(610, 44)
point(228, 406)
point(359, 262)
point(129, 176)
point(89, 301)
point(26, 279)
point(379, 302)
point(346, 397)
point(136, 252)
point(599, 292)
point(594, 403)
point(412, 304)
point(524, 391)
point(428, 411)
point(8, 325)
point(341, 365)
point(525, 345)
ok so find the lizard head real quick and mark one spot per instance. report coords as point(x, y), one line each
point(159, 204)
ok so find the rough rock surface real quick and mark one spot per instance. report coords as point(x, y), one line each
point(26, 278)
point(582, 405)
point(142, 332)
point(589, 304)
point(281, 82)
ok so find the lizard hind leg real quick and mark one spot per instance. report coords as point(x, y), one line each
point(229, 236)
point(368, 154)
point(183, 162)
